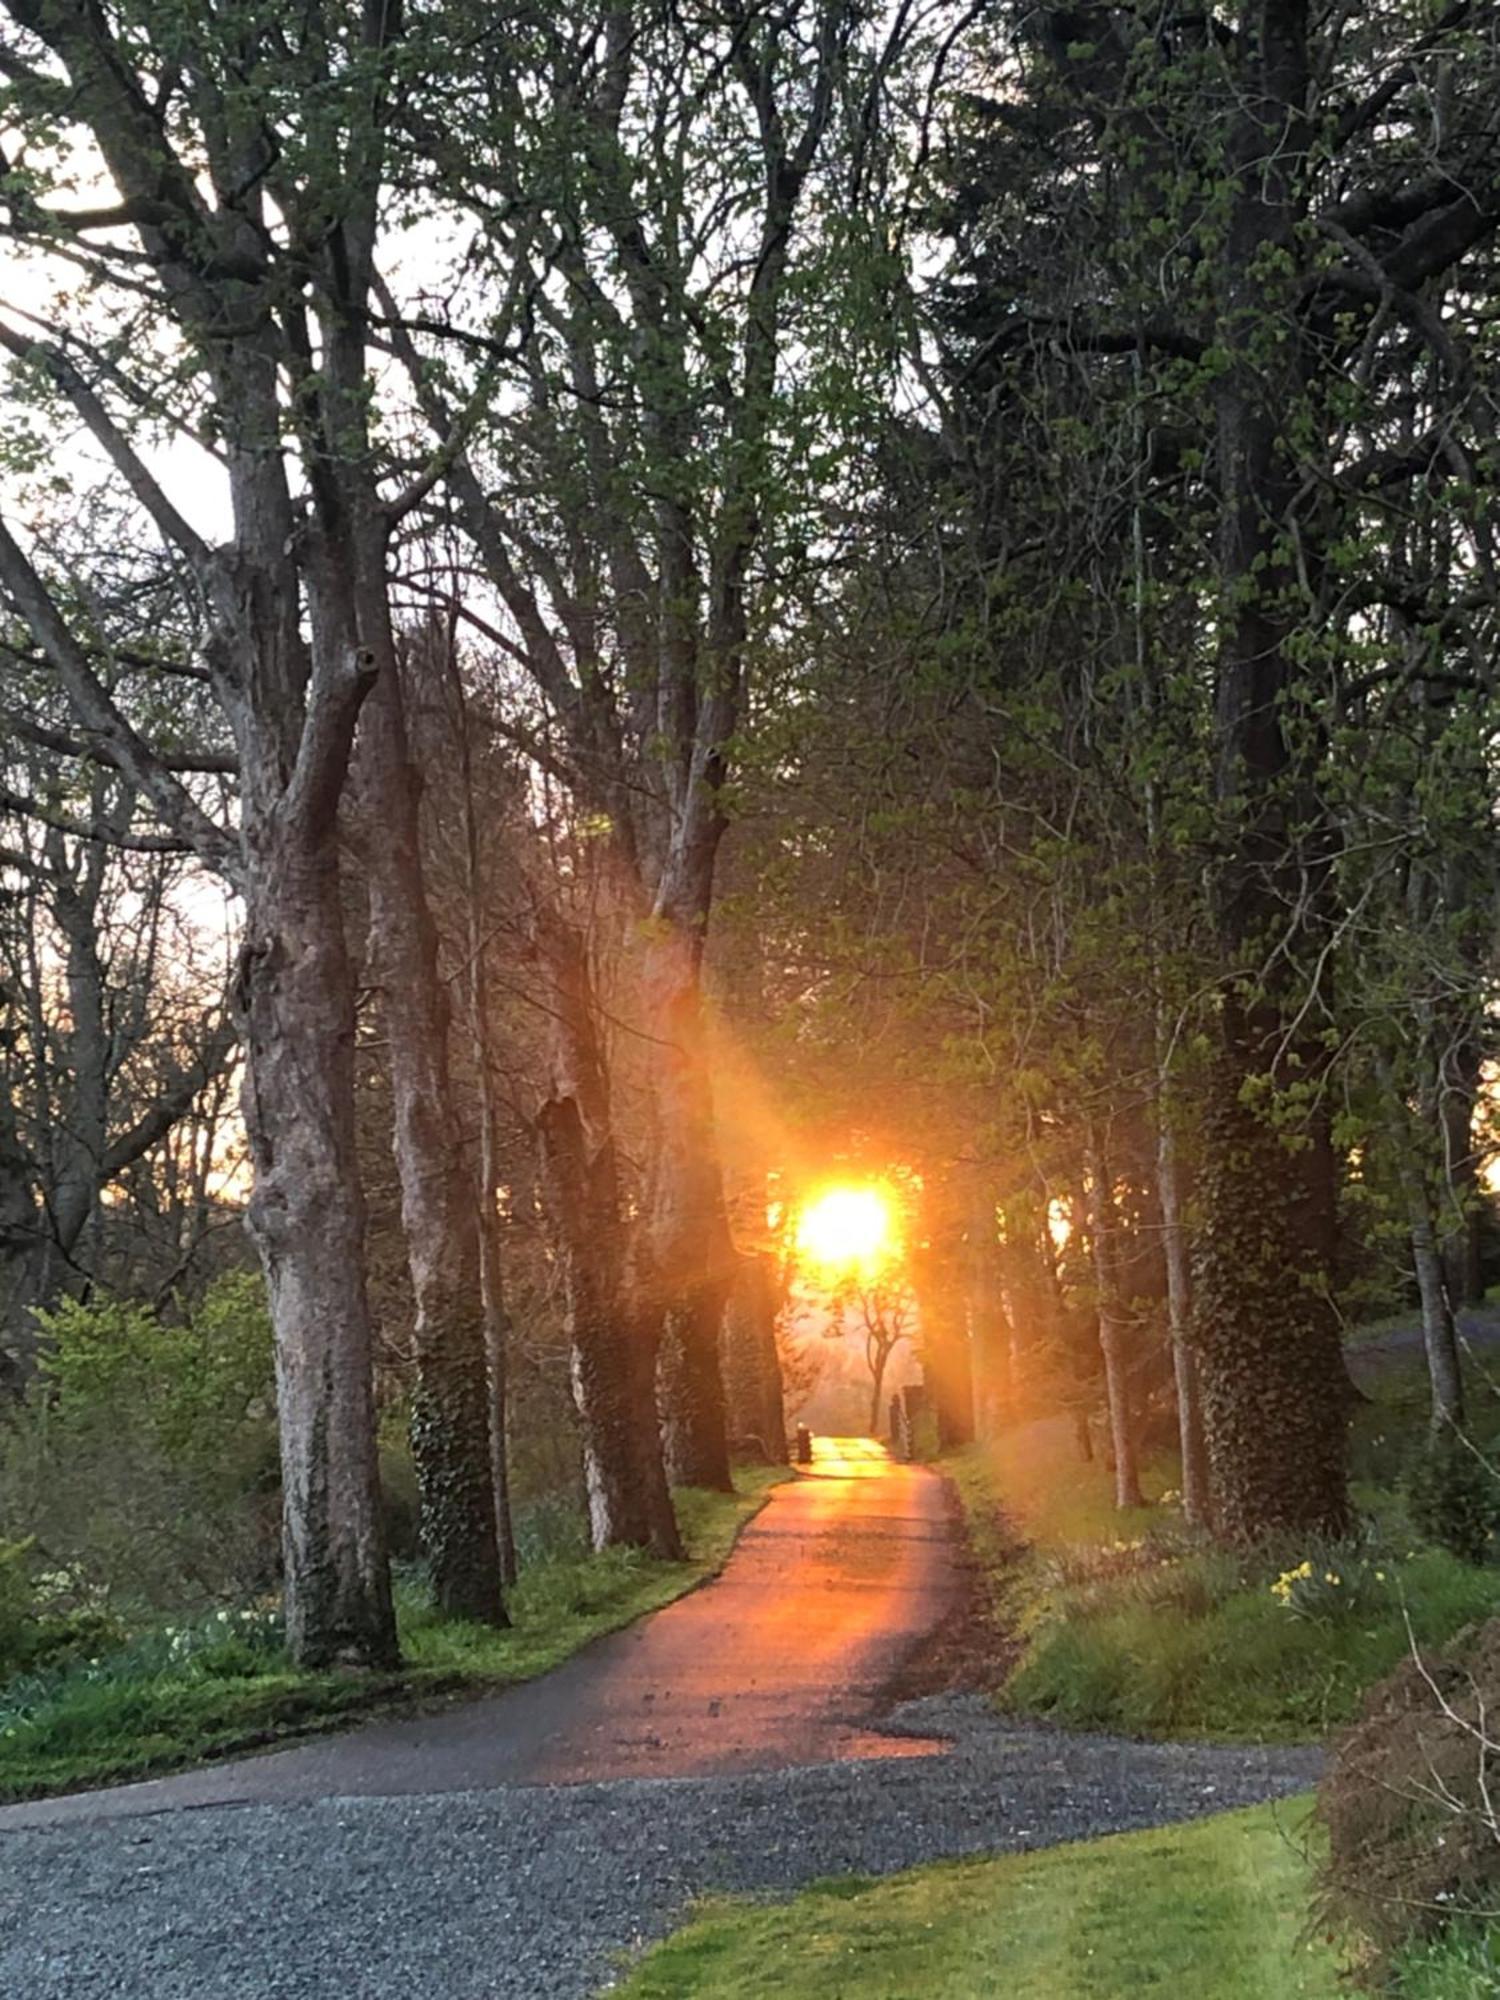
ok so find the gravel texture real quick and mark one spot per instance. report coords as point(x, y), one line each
point(542, 1892)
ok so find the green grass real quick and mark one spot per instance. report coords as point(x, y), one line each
point(145, 1708)
point(1129, 1625)
point(1215, 1910)
point(1463, 1963)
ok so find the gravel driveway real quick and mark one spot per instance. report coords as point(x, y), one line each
point(537, 1891)
point(456, 1857)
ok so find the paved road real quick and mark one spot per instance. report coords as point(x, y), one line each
point(780, 1660)
point(462, 1857)
point(1396, 1345)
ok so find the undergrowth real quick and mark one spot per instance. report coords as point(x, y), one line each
point(1132, 1623)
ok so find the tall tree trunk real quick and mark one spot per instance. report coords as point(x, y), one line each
point(879, 1357)
point(294, 1000)
point(1114, 1331)
point(607, 1305)
point(939, 1282)
point(290, 671)
point(751, 1365)
point(692, 1252)
point(497, 1352)
point(1439, 1333)
point(1460, 1233)
point(1193, 1445)
point(450, 1429)
point(990, 1334)
point(1192, 1442)
point(1274, 1387)
point(491, 1261)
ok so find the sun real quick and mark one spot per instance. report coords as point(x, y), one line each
point(848, 1229)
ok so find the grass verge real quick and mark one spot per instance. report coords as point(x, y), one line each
point(1128, 1623)
point(177, 1696)
point(1215, 1909)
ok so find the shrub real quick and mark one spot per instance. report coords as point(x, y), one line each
point(1407, 1797)
point(144, 1459)
point(1206, 1644)
point(17, 1612)
point(1454, 1498)
point(46, 1619)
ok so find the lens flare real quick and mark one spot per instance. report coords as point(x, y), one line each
point(848, 1230)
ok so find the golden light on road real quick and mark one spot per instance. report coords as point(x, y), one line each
point(849, 1230)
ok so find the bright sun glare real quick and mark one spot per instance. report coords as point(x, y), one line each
point(847, 1228)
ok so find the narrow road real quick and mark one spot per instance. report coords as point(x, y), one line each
point(513, 1848)
point(779, 1660)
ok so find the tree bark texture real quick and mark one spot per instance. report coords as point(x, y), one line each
point(607, 1307)
point(491, 1260)
point(1114, 1329)
point(450, 1413)
point(692, 1254)
point(295, 1004)
point(1192, 1442)
point(1275, 1400)
point(1274, 1397)
point(1460, 1232)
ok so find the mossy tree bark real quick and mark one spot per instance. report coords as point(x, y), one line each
point(1273, 1381)
point(1274, 1391)
point(450, 1410)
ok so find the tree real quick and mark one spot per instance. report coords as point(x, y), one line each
point(623, 502)
point(450, 1414)
point(1258, 260)
point(247, 176)
point(884, 1315)
point(113, 1033)
point(606, 1298)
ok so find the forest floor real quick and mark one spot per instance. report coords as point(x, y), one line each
point(544, 1890)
